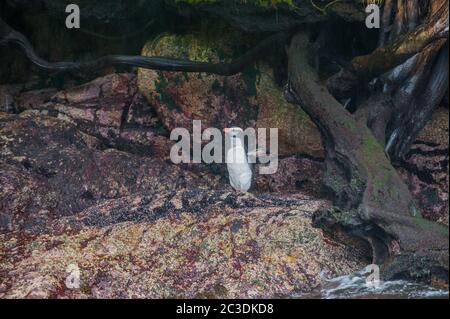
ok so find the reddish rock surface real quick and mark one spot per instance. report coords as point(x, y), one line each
point(426, 168)
point(51, 169)
point(85, 180)
point(108, 108)
point(294, 174)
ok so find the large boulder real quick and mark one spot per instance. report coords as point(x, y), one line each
point(179, 98)
point(297, 133)
point(250, 99)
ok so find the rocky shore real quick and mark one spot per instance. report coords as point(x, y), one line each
point(85, 180)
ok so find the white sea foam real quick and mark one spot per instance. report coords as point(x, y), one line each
point(355, 286)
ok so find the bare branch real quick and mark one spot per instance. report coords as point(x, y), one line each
point(10, 36)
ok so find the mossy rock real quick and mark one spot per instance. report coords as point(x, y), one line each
point(297, 133)
point(179, 98)
point(249, 99)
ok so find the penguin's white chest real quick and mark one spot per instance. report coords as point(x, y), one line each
point(239, 170)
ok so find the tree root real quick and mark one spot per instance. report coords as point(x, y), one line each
point(10, 36)
point(377, 205)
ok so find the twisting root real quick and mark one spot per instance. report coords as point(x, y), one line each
point(10, 36)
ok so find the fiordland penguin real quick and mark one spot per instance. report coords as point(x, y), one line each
point(239, 170)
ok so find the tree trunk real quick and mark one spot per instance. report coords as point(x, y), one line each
point(412, 65)
point(372, 202)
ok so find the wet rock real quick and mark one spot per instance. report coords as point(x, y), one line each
point(426, 168)
point(141, 227)
point(34, 99)
point(16, 98)
point(187, 243)
point(49, 169)
point(294, 174)
point(8, 94)
point(250, 99)
point(108, 108)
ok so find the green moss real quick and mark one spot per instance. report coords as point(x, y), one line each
point(351, 125)
point(379, 170)
point(201, 47)
point(380, 182)
point(249, 75)
point(357, 185)
point(161, 86)
point(342, 217)
point(378, 186)
point(370, 149)
point(337, 184)
point(425, 223)
point(160, 129)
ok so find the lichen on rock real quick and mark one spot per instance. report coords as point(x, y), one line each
point(212, 244)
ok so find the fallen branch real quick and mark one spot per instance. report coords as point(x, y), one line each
point(10, 36)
